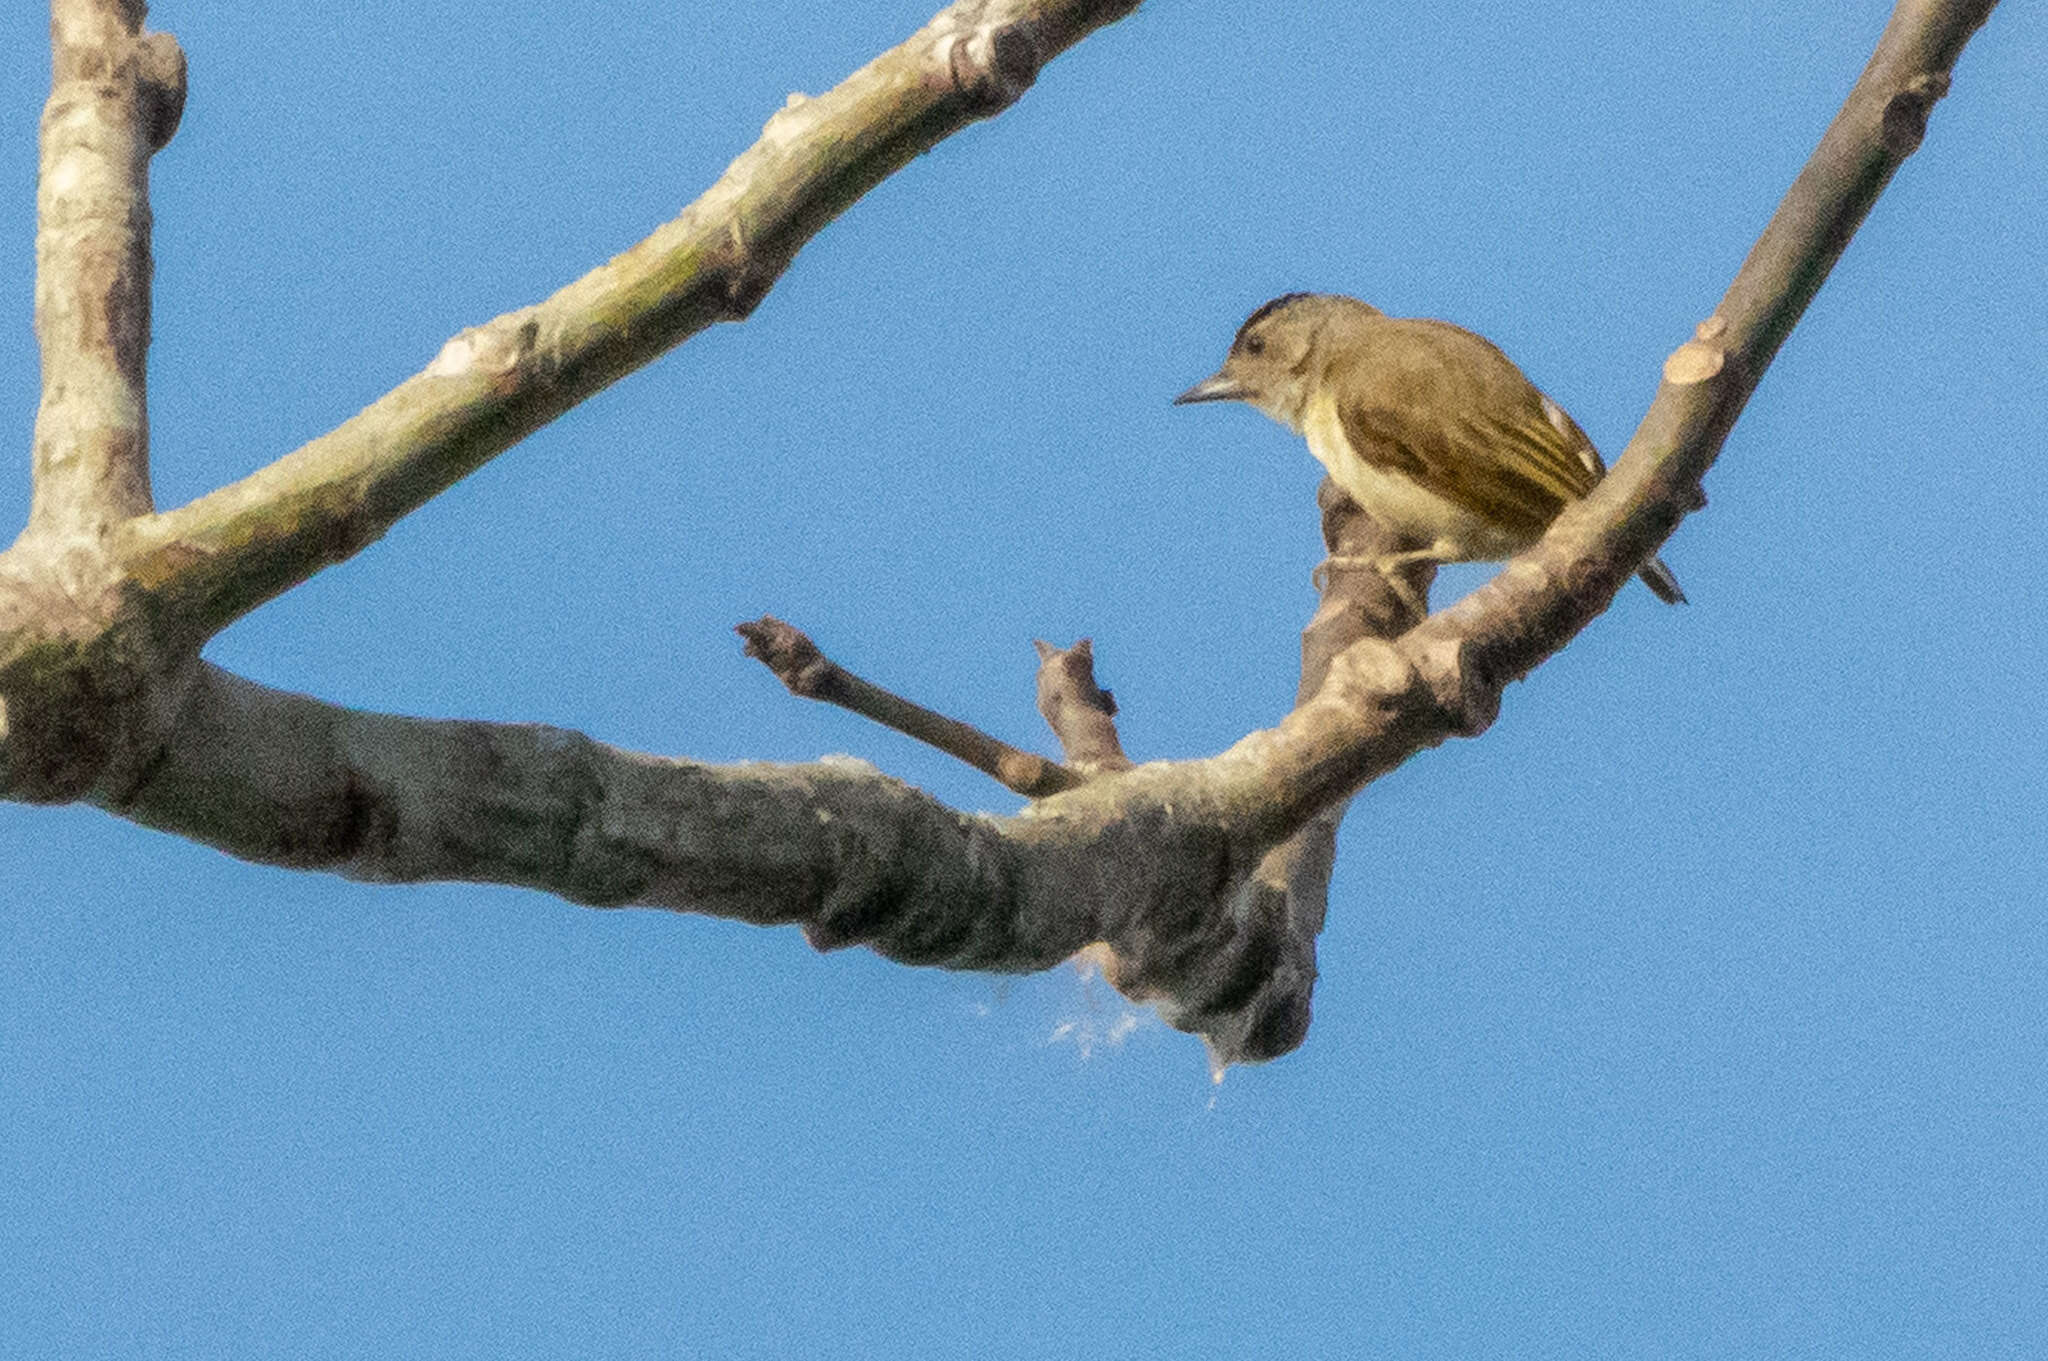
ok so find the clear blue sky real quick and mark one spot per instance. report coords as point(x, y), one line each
point(1700, 1009)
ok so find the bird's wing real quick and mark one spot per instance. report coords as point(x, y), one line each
point(1469, 427)
point(1498, 471)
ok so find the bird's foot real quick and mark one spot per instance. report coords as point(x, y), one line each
point(1320, 578)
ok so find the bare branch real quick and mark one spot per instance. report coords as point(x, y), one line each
point(284, 779)
point(854, 857)
point(217, 558)
point(1080, 713)
point(796, 661)
point(1357, 601)
point(115, 98)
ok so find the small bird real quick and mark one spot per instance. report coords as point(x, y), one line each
point(1429, 428)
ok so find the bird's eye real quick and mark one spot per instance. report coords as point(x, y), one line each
point(1255, 345)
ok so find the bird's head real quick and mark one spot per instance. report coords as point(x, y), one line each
point(1272, 363)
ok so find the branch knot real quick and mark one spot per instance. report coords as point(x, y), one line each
point(1463, 686)
point(1694, 362)
point(1905, 113)
point(160, 69)
point(994, 66)
point(791, 655)
point(500, 351)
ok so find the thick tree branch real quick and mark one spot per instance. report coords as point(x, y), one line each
point(115, 97)
point(212, 561)
point(852, 856)
point(284, 779)
point(1290, 890)
point(797, 663)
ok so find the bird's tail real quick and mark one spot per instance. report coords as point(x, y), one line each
point(1658, 578)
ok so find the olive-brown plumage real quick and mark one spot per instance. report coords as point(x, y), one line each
point(1429, 428)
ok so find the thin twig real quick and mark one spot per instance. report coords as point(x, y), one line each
point(796, 661)
point(1081, 714)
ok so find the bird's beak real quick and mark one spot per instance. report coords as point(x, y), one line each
point(1221, 388)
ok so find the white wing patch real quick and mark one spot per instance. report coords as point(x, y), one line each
point(1555, 414)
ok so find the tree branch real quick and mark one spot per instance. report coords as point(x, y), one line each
point(1289, 891)
point(115, 98)
point(1172, 865)
point(852, 856)
point(1081, 714)
point(209, 562)
point(797, 663)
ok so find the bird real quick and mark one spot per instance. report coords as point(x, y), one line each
point(1430, 428)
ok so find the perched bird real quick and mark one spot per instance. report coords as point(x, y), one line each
point(1429, 428)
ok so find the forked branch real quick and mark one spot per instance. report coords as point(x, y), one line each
point(1205, 878)
point(798, 664)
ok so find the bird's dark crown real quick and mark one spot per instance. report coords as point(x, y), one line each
point(1285, 299)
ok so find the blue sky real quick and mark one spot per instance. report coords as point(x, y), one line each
point(1695, 1010)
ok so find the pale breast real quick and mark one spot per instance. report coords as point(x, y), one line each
point(1399, 502)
